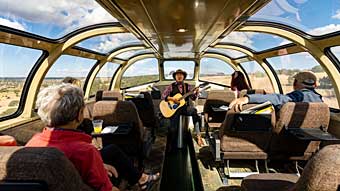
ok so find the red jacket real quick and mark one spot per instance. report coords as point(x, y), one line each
point(78, 149)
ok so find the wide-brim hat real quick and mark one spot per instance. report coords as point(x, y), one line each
point(307, 78)
point(179, 71)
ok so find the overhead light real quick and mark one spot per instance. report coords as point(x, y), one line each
point(182, 30)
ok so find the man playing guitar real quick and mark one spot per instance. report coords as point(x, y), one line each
point(181, 87)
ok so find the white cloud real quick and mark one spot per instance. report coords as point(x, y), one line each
point(63, 13)
point(109, 42)
point(337, 15)
point(12, 24)
point(325, 29)
point(243, 38)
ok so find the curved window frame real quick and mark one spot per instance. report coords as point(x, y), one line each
point(255, 39)
point(93, 43)
point(154, 81)
point(228, 52)
point(27, 84)
point(101, 69)
point(134, 53)
point(200, 68)
point(249, 76)
point(84, 84)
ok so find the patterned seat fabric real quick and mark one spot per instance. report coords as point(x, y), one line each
point(243, 144)
point(40, 164)
point(322, 173)
point(216, 98)
point(112, 95)
point(122, 112)
point(297, 115)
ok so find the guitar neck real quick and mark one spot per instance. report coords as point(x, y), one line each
point(191, 92)
point(186, 95)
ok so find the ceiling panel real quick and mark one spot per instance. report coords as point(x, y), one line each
point(201, 21)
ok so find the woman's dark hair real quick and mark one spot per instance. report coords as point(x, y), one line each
point(238, 81)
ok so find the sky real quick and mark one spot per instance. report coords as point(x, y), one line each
point(172, 66)
point(56, 18)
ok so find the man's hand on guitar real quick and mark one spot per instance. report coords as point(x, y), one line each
point(173, 100)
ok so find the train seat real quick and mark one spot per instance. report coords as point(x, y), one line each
point(35, 168)
point(112, 95)
point(297, 115)
point(147, 112)
point(231, 143)
point(250, 144)
point(118, 113)
point(216, 98)
point(321, 173)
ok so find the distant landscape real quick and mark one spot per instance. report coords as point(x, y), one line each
point(10, 88)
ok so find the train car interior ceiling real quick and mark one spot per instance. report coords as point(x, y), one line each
point(125, 56)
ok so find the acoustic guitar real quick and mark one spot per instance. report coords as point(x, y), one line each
point(169, 108)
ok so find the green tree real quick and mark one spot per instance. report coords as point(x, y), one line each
point(317, 69)
point(325, 83)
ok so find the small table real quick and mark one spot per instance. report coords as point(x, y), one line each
point(102, 139)
point(311, 134)
point(218, 109)
point(123, 129)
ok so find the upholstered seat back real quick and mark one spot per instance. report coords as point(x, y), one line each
point(298, 115)
point(217, 98)
point(119, 112)
point(244, 141)
point(112, 95)
point(303, 115)
point(45, 164)
point(322, 172)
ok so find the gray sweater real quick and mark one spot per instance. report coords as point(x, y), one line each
point(304, 95)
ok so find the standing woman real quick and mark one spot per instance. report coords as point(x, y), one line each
point(238, 82)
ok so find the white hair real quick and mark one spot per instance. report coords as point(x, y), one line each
point(60, 104)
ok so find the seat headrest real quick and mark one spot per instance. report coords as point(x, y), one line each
point(40, 164)
point(113, 95)
point(322, 172)
point(221, 95)
point(113, 112)
point(303, 115)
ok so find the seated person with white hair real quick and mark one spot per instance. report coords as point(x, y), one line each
point(304, 91)
point(61, 109)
